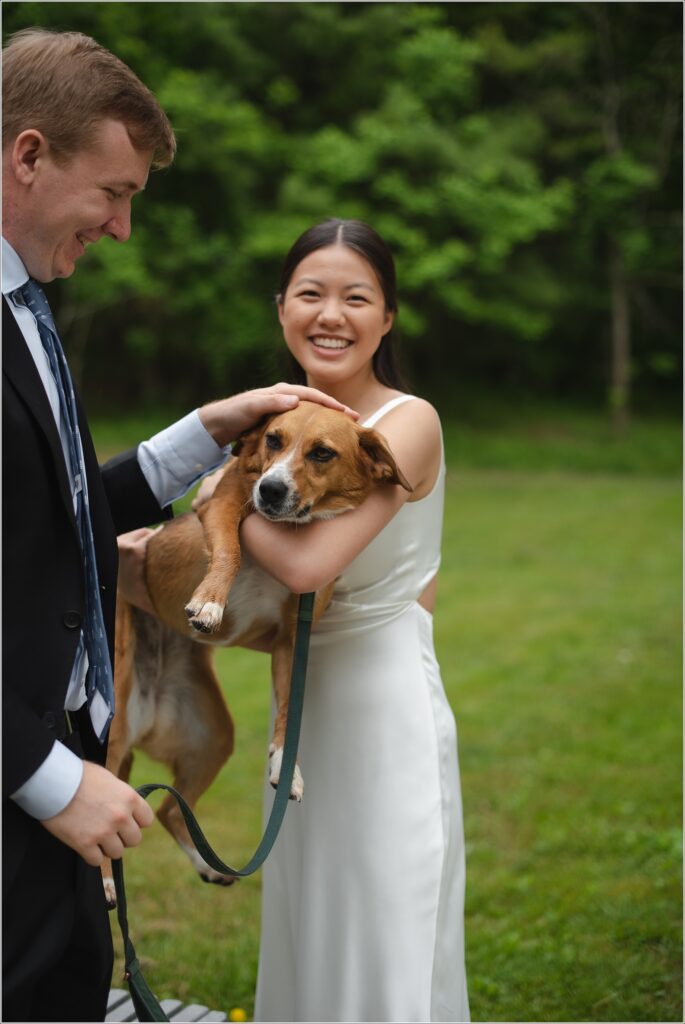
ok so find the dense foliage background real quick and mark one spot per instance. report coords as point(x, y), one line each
point(522, 159)
point(525, 162)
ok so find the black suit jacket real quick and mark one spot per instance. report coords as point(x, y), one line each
point(43, 579)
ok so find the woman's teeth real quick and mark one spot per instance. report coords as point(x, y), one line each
point(325, 342)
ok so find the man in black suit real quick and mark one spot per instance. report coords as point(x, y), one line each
point(80, 135)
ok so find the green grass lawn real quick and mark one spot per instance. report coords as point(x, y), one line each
point(558, 628)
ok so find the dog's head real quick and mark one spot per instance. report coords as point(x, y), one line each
point(314, 463)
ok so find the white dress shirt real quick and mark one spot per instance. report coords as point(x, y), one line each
point(172, 462)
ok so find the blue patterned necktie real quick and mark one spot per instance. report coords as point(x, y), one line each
point(99, 683)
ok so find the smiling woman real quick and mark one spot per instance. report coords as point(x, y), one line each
point(368, 873)
point(334, 315)
point(359, 239)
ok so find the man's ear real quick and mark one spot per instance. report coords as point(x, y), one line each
point(27, 149)
point(380, 459)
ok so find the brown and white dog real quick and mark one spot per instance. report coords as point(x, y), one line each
point(305, 464)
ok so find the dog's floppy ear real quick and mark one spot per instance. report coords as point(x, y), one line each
point(247, 443)
point(381, 460)
point(250, 438)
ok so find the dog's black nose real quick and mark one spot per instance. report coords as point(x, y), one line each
point(272, 491)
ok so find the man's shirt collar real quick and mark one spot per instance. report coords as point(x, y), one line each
point(14, 273)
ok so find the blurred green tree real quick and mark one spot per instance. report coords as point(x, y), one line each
point(523, 160)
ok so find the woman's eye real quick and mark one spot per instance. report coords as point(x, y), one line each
point(274, 442)
point(357, 298)
point(322, 454)
point(308, 295)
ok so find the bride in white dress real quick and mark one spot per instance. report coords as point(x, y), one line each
point(363, 894)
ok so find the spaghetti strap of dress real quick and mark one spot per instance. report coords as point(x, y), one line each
point(391, 404)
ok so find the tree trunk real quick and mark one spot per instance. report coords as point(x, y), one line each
point(619, 389)
point(611, 98)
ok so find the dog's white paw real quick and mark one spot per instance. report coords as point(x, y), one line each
point(110, 893)
point(205, 618)
point(203, 869)
point(275, 765)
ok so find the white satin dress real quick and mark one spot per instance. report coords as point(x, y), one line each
point(363, 893)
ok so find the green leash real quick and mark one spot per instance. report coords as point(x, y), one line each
point(146, 1005)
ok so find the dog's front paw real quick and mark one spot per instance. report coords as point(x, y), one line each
point(110, 893)
point(205, 618)
point(275, 765)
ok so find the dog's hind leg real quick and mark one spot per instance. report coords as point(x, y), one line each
point(191, 784)
point(119, 752)
point(281, 664)
point(123, 773)
point(207, 745)
point(281, 667)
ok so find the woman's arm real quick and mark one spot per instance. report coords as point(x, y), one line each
point(305, 558)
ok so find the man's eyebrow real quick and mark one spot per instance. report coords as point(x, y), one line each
point(123, 186)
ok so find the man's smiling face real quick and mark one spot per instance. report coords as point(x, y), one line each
point(70, 204)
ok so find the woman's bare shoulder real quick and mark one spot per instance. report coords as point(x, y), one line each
point(416, 415)
point(413, 432)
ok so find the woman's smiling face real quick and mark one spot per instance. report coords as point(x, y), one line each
point(333, 314)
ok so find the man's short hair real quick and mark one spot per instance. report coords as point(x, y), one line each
point(64, 84)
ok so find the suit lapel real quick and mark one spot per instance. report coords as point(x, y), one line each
point(20, 369)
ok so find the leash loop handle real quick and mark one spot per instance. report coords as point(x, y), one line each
point(146, 1005)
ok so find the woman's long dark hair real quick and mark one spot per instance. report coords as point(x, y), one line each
point(356, 235)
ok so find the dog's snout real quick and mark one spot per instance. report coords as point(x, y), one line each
point(272, 491)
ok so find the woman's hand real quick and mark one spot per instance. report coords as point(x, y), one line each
point(131, 581)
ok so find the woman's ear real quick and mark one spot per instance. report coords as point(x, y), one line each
point(279, 307)
point(389, 321)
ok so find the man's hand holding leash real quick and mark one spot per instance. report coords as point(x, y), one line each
point(103, 818)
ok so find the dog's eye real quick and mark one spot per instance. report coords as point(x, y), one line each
point(321, 454)
point(274, 442)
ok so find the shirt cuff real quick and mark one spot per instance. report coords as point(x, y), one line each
point(53, 785)
point(177, 457)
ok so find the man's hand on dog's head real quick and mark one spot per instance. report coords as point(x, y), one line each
point(229, 417)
